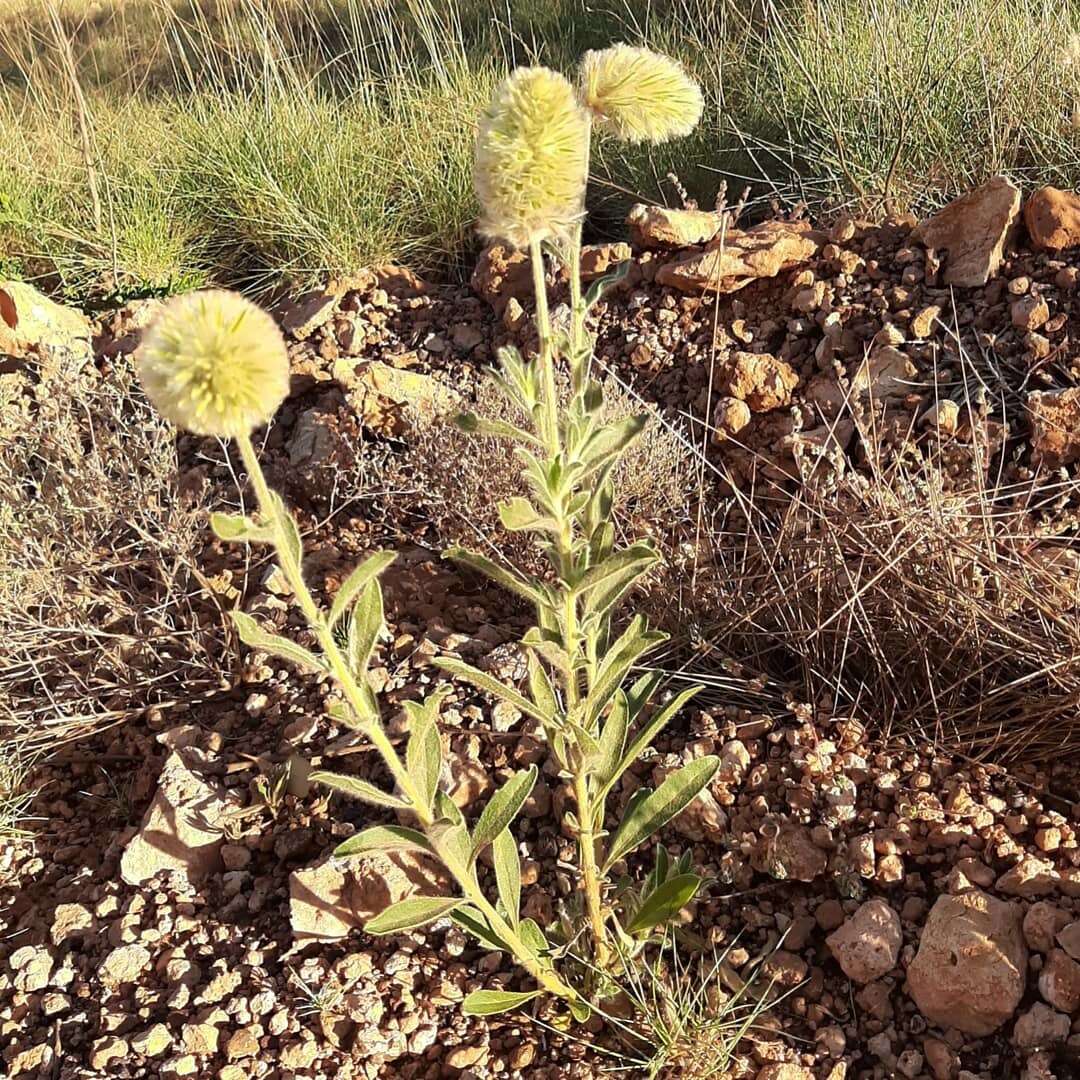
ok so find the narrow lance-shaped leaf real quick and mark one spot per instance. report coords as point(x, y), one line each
point(503, 807)
point(293, 546)
point(613, 736)
point(624, 566)
point(252, 634)
point(365, 626)
point(452, 843)
point(423, 754)
point(543, 693)
point(647, 733)
point(505, 578)
point(602, 284)
point(411, 913)
point(533, 938)
point(484, 681)
point(472, 424)
point(634, 643)
point(610, 441)
point(664, 903)
point(473, 920)
point(656, 810)
point(508, 874)
point(351, 587)
point(238, 528)
point(384, 838)
point(490, 1002)
point(518, 514)
point(356, 788)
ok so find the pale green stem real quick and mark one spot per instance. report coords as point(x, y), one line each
point(372, 728)
point(577, 310)
point(547, 358)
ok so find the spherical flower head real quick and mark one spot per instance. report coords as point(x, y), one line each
point(640, 95)
point(214, 363)
point(532, 155)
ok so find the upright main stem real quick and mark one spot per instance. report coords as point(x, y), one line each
point(564, 546)
point(373, 729)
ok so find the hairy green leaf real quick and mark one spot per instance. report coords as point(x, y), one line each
point(473, 920)
point(365, 627)
point(252, 634)
point(602, 284)
point(543, 693)
point(643, 738)
point(632, 644)
point(447, 809)
point(293, 545)
point(472, 424)
point(503, 807)
point(351, 587)
point(660, 806)
point(613, 736)
point(489, 1002)
point(533, 937)
point(610, 441)
point(423, 754)
point(384, 838)
point(505, 578)
point(664, 903)
point(240, 529)
point(452, 842)
point(508, 874)
point(616, 574)
point(483, 681)
point(518, 514)
point(411, 913)
point(356, 788)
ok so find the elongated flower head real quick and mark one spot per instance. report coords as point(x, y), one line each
point(214, 363)
point(531, 157)
point(640, 95)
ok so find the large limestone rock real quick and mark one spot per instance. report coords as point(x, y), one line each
point(971, 967)
point(377, 390)
point(971, 231)
point(1052, 217)
point(657, 226)
point(183, 828)
point(30, 320)
point(739, 257)
point(1055, 426)
point(328, 900)
point(868, 944)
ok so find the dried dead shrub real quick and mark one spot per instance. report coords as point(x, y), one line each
point(459, 479)
point(101, 612)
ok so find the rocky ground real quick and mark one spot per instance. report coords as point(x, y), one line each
point(916, 914)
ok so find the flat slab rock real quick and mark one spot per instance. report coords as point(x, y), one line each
point(336, 896)
point(183, 828)
point(971, 231)
point(741, 256)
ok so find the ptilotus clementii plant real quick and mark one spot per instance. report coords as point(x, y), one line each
point(215, 364)
point(531, 170)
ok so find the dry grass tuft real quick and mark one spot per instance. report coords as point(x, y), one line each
point(943, 607)
point(98, 596)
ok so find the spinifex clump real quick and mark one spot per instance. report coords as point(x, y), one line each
point(531, 168)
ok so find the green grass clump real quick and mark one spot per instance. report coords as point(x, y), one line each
point(154, 145)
